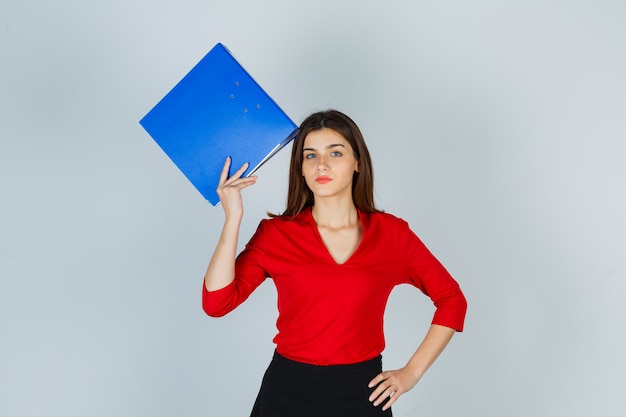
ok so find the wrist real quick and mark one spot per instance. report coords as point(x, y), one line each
point(415, 371)
point(233, 219)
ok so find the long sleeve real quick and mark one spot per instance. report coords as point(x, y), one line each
point(430, 276)
point(249, 274)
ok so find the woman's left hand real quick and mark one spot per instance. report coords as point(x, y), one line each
point(390, 385)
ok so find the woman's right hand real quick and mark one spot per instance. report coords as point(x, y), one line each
point(229, 189)
point(221, 269)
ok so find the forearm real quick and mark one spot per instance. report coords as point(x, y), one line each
point(221, 270)
point(429, 350)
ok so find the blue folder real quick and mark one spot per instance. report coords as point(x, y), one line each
point(217, 110)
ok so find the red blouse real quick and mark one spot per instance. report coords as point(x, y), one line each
point(332, 313)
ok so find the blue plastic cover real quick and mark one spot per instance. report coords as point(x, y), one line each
point(217, 110)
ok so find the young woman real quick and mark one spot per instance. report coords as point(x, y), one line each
point(334, 259)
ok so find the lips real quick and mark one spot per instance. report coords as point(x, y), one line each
point(323, 179)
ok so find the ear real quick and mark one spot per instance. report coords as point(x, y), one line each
point(356, 166)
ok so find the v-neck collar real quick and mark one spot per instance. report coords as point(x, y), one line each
point(318, 236)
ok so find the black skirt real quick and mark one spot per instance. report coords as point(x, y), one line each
point(294, 389)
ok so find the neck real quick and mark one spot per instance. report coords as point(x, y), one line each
point(335, 213)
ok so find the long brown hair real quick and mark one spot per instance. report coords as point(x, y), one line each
point(299, 195)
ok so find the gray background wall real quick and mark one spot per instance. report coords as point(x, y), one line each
point(497, 129)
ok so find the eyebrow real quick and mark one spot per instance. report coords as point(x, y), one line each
point(332, 145)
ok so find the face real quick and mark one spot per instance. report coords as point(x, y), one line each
point(328, 164)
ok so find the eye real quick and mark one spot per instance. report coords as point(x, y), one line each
point(309, 156)
point(336, 153)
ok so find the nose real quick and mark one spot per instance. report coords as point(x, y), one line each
point(322, 166)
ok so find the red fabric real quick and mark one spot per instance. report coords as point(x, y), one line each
point(332, 314)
